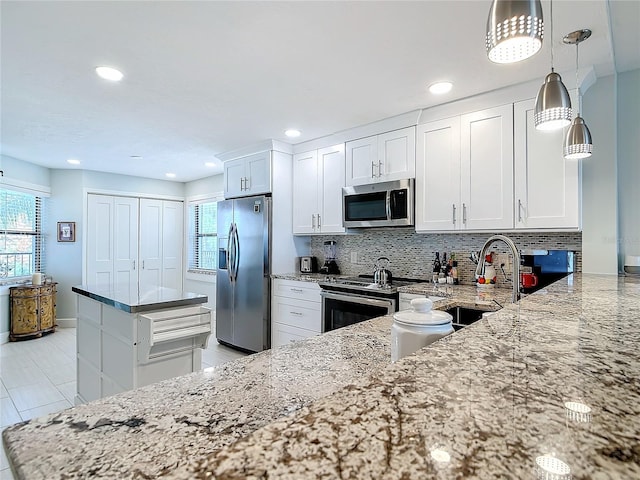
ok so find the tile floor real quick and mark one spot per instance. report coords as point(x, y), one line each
point(38, 377)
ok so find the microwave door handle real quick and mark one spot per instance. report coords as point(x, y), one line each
point(389, 200)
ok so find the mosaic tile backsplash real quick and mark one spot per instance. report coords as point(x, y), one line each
point(412, 254)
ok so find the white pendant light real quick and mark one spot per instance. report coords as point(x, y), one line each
point(553, 104)
point(514, 30)
point(577, 143)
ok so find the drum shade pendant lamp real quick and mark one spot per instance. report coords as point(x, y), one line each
point(553, 104)
point(514, 30)
point(577, 143)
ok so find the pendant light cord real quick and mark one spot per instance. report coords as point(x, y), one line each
point(551, 32)
point(577, 84)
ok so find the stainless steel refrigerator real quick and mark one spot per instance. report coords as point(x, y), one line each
point(243, 297)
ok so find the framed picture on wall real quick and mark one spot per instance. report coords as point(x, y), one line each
point(66, 231)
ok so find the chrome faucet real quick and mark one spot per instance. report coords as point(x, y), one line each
point(515, 277)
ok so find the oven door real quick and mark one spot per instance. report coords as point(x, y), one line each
point(342, 309)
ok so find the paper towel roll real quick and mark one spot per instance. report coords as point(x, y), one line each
point(36, 278)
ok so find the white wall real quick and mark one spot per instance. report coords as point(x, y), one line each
point(128, 184)
point(629, 163)
point(599, 181)
point(285, 248)
point(204, 186)
point(24, 171)
point(64, 259)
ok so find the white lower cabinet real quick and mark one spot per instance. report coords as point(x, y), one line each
point(295, 311)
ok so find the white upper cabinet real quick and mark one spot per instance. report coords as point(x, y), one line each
point(486, 166)
point(547, 187)
point(381, 158)
point(331, 165)
point(250, 175)
point(318, 178)
point(464, 171)
point(306, 202)
point(438, 175)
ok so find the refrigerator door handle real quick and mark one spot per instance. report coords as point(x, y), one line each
point(236, 251)
point(230, 254)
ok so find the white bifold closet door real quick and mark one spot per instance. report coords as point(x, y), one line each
point(134, 243)
point(112, 241)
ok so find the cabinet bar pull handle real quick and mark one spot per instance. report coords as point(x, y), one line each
point(318, 220)
point(453, 218)
point(247, 185)
point(298, 314)
point(519, 210)
point(297, 290)
point(372, 172)
point(379, 168)
point(464, 213)
point(241, 183)
point(134, 264)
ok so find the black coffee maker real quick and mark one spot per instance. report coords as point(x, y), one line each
point(330, 266)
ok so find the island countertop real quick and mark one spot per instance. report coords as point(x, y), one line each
point(144, 300)
point(553, 379)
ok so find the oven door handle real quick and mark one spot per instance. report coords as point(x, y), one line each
point(374, 302)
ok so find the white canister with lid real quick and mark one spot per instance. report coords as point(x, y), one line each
point(417, 328)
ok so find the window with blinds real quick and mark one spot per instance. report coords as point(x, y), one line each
point(21, 234)
point(203, 237)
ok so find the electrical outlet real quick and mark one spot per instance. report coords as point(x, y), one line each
point(504, 261)
point(354, 257)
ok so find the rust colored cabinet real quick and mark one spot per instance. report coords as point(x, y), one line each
point(32, 311)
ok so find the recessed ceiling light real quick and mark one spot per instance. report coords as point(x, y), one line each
point(209, 164)
point(170, 175)
point(73, 161)
point(109, 73)
point(292, 133)
point(439, 88)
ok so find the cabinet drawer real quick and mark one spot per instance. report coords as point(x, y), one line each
point(284, 334)
point(297, 313)
point(309, 291)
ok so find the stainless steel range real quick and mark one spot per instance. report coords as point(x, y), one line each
point(346, 301)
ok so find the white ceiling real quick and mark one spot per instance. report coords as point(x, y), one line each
point(203, 78)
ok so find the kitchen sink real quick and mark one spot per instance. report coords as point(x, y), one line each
point(465, 316)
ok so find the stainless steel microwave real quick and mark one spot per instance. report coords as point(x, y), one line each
point(384, 204)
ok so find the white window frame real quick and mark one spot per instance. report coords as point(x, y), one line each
point(197, 274)
point(41, 194)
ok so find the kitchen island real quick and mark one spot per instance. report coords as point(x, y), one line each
point(127, 339)
point(550, 382)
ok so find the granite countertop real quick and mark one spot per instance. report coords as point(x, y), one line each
point(146, 300)
point(488, 401)
point(306, 277)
